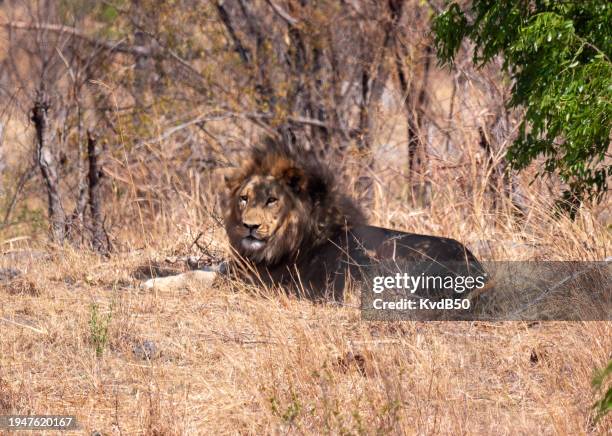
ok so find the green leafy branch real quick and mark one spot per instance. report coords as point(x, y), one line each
point(558, 55)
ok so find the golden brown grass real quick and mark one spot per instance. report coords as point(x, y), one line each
point(235, 359)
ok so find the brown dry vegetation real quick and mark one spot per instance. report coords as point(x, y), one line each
point(234, 359)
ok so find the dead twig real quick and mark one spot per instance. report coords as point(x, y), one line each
point(25, 326)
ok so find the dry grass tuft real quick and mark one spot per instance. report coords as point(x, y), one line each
point(7, 397)
point(20, 285)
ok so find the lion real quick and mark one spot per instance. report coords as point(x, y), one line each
point(290, 223)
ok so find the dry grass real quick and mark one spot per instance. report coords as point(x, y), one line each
point(234, 359)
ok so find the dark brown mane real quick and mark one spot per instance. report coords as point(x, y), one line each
point(312, 183)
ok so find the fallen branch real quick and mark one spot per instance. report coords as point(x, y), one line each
point(34, 329)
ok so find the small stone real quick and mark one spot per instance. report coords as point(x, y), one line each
point(7, 274)
point(147, 350)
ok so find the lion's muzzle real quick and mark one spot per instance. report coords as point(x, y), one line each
point(253, 243)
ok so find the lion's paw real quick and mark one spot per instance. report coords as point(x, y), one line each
point(189, 279)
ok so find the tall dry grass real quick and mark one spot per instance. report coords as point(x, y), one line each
point(235, 359)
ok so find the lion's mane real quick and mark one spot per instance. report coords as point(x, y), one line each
point(320, 209)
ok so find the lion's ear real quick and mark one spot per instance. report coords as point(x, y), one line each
point(230, 176)
point(294, 178)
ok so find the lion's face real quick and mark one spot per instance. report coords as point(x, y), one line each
point(266, 219)
point(280, 204)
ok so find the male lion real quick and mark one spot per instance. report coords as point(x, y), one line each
point(289, 223)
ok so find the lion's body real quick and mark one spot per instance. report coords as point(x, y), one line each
point(360, 252)
point(290, 223)
point(289, 220)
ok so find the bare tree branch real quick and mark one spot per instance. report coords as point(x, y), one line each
point(240, 48)
point(117, 46)
point(282, 13)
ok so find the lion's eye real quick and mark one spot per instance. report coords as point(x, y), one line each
point(271, 201)
point(243, 199)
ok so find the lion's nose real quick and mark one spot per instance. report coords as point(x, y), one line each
point(251, 227)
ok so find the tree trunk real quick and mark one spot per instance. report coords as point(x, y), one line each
point(2, 164)
point(99, 239)
point(46, 163)
point(415, 100)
